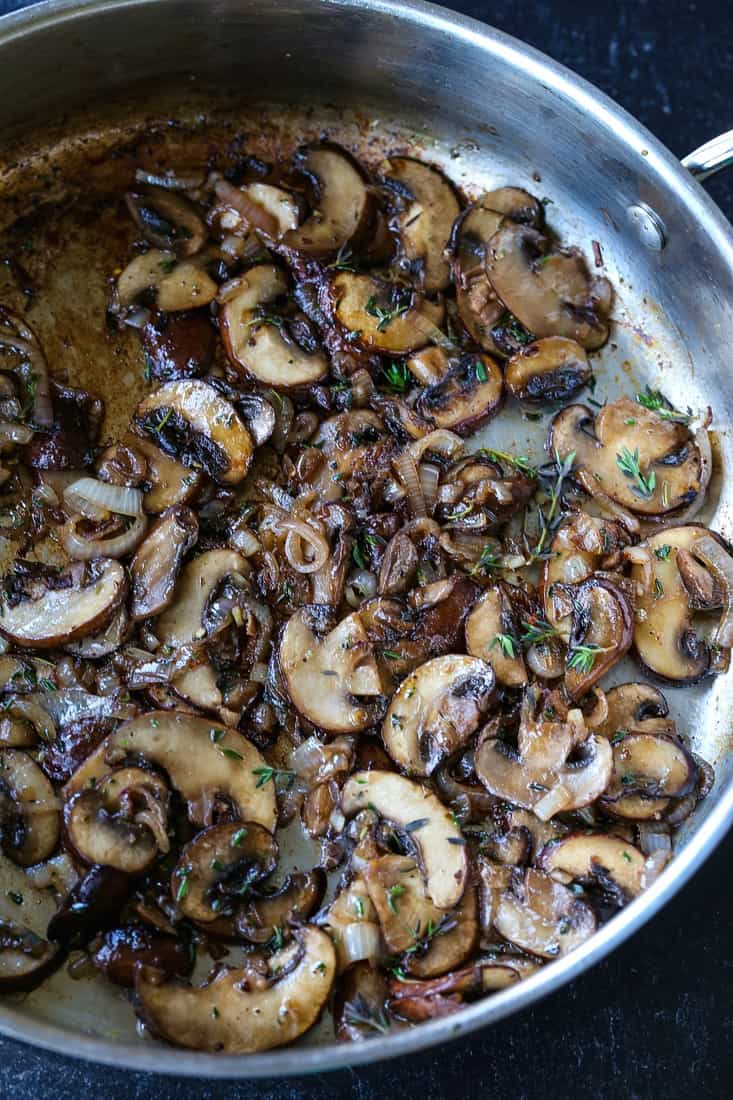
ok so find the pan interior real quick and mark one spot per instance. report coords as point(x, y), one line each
point(63, 218)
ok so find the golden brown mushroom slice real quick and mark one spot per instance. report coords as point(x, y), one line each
point(596, 858)
point(168, 221)
point(492, 635)
point(297, 899)
point(648, 770)
point(261, 346)
point(182, 623)
point(664, 638)
point(479, 307)
point(547, 370)
point(551, 292)
point(435, 711)
point(428, 207)
point(157, 562)
point(343, 206)
point(581, 546)
point(330, 671)
point(384, 317)
point(204, 761)
point(556, 765)
point(238, 1013)
point(29, 815)
point(448, 943)
point(178, 284)
point(43, 609)
point(359, 1003)
point(397, 891)
point(191, 421)
point(602, 630)
point(167, 482)
point(25, 959)
point(469, 393)
point(424, 820)
point(217, 870)
point(650, 465)
point(542, 916)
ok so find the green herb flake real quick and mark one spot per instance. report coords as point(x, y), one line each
point(628, 464)
point(663, 552)
point(394, 892)
point(231, 754)
point(239, 837)
point(506, 644)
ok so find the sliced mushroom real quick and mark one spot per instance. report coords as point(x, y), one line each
point(330, 671)
point(359, 1004)
point(664, 639)
point(194, 424)
point(436, 710)
point(344, 207)
point(492, 635)
point(178, 285)
point(124, 949)
point(551, 292)
point(250, 1015)
point(596, 858)
point(205, 763)
point(552, 369)
point(169, 221)
point(381, 316)
point(478, 305)
point(107, 641)
point(650, 465)
point(169, 481)
point(542, 916)
point(347, 445)
point(93, 904)
point(398, 893)
point(452, 940)
point(157, 562)
point(269, 210)
point(46, 609)
point(602, 630)
point(25, 959)
point(581, 546)
point(120, 822)
point(428, 207)
point(182, 624)
point(469, 393)
point(648, 767)
point(351, 906)
point(217, 870)
point(425, 1000)
point(260, 345)
point(297, 899)
point(178, 345)
point(556, 766)
point(29, 809)
point(429, 826)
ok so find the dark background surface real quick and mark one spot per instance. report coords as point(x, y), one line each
point(655, 1019)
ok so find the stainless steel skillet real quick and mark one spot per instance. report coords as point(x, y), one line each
point(81, 84)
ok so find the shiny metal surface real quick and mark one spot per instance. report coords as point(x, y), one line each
point(711, 157)
point(490, 111)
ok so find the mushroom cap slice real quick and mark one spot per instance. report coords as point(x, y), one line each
point(557, 766)
point(330, 674)
point(397, 891)
point(589, 858)
point(345, 207)
point(382, 317)
point(157, 562)
point(602, 631)
point(435, 710)
point(551, 369)
point(664, 639)
point(429, 209)
point(297, 899)
point(258, 347)
point(491, 619)
point(25, 959)
point(347, 443)
point(104, 839)
point(170, 481)
point(451, 943)
point(51, 612)
point(217, 869)
point(359, 1002)
point(29, 817)
point(625, 435)
point(468, 394)
point(542, 916)
point(124, 949)
point(190, 421)
point(198, 765)
point(648, 767)
point(414, 809)
point(247, 1018)
point(181, 624)
point(179, 285)
point(551, 292)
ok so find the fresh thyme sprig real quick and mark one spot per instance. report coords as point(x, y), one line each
point(520, 462)
point(583, 657)
point(358, 1013)
point(658, 403)
point(506, 644)
point(628, 464)
point(385, 316)
point(488, 561)
point(398, 377)
point(537, 632)
point(548, 520)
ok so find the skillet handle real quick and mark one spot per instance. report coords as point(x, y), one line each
point(710, 157)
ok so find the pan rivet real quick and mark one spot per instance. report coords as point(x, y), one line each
point(648, 225)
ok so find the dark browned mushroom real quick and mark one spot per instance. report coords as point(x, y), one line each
point(25, 959)
point(219, 867)
point(122, 950)
point(178, 345)
point(552, 369)
point(297, 899)
point(92, 905)
point(427, 206)
point(468, 394)
point(167, 220)
point(157, 562)
point(29, 809)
